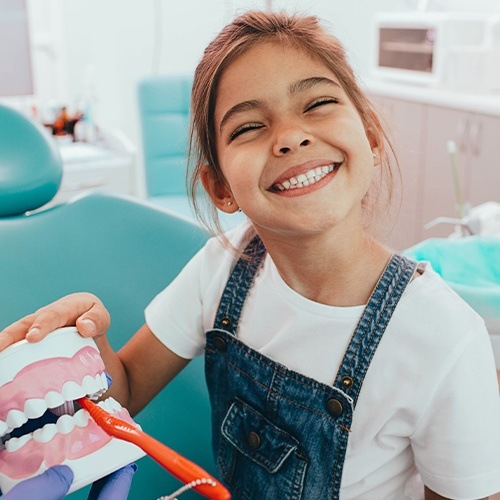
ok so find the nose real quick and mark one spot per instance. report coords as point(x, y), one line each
point(289, 139)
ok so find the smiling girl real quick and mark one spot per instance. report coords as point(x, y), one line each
point(336, 369)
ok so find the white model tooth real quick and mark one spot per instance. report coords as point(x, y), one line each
point(98, 381)
point(286, 184)
point(114, 404)
point(310, 173)
point(89, 385)
point(34, 408)
point(105, 405)
point(318, 171)
point(103, 381)
point(280, 187)
point(71, 391)
point(15, 444)
point(45, 434)
point(312, 180)
point(306, 183)
point(53, 399)
point(16, 418)
point(293, 180)
point(65, 424)
point(301, 178)
point(3, 428)
point(81, 418)
point(325, 170)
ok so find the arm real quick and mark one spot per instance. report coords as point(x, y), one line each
point(139, 370)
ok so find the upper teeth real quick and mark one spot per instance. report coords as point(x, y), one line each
point(36, 407)
point(305, 179)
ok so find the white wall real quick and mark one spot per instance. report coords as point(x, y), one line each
point(121, 41)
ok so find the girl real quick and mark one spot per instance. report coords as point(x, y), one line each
point(335, 368)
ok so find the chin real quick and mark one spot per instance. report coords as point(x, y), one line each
point(41, 426)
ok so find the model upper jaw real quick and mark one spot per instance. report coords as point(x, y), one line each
point(41, 381)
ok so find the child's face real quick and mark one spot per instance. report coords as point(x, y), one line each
point(281, 115)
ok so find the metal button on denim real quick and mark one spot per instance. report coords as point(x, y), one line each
point(220, 344)
point(334, 407)
point(226, 321)
point(253, 440)
point(347, 382)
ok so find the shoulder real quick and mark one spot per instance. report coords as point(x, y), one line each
point(430, 304)
point(430, 330)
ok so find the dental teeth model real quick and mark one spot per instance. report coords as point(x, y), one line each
point(39, 424)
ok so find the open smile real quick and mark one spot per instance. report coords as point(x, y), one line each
point(297, 184)
point(41, 426)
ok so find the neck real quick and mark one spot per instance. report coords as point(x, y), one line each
point(329, 268)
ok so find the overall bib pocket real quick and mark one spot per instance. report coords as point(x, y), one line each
point(253, 450)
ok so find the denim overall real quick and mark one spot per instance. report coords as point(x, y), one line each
point(276, 433)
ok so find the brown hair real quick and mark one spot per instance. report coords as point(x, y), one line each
point(247, 30)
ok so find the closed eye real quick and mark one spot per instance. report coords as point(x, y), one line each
point(321, 102)
point(244, 128)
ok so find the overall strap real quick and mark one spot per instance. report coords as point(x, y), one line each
point(372, 324)
point(238, 285)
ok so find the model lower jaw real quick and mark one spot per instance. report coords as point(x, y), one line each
point(34, 380)
point(71, 438)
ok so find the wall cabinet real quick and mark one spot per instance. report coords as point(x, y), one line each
point(420, 135)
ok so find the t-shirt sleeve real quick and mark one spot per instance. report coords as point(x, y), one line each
point(180, 315)
point(175, 315)
point(457, 442)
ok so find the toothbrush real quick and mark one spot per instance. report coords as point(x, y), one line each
point(179, 466)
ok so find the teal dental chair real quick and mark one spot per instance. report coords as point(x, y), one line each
point(118, 248)
point(164, 102)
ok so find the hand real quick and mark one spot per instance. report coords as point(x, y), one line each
point(84, 310)
point(54, 483)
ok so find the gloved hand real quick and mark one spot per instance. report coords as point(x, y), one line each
point(54, 483)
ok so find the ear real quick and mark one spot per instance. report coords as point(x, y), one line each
point(218, 191)
point(377, 156)
point(377, 145)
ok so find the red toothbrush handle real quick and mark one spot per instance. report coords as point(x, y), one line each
point(182, 468)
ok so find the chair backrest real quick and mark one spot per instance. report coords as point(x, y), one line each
point(164, 117)
point(125, 252)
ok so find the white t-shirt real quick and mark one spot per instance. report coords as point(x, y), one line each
point(429, 401)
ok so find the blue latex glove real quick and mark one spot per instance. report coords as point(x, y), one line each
point(54, 483)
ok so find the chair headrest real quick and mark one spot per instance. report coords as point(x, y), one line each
point(30, 164)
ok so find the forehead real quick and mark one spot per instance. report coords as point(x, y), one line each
point(266, 68)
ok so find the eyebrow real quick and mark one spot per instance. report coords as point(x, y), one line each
point(295, 88)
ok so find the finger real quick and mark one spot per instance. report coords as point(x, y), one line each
point(16, 331)
point(53, 484)
point(94, 322)
point(84, 310)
